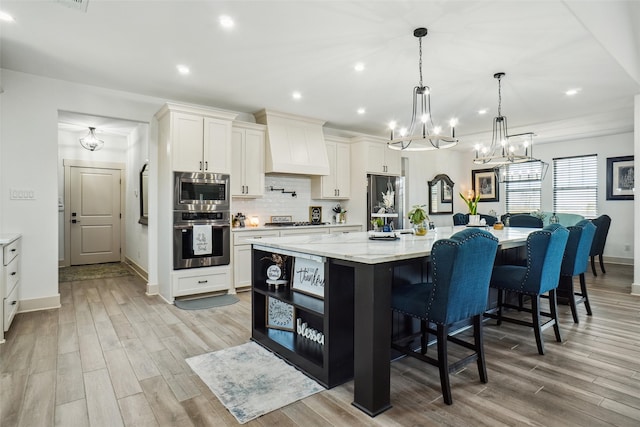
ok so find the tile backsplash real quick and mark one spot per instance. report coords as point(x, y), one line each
point(277, 203)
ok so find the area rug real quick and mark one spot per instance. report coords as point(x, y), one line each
point(93, 271)
point(251, 381)
point(206, 302)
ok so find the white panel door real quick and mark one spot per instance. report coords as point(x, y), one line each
point(95, 215)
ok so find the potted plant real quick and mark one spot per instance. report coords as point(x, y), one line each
point(377, 223)
point(472, 204)
point(418, 217)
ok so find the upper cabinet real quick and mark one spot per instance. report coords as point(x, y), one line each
point(247, 160)
point(294, 144)
point(199, 138)
point(382, 160)
point(336, 185)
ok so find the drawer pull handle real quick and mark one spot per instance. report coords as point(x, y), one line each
point(202, 281)
point(14, 302)
point(13, 250)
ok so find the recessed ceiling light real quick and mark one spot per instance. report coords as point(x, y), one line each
point(359, 67)
point(183, 69)
point(483, 111)
point(572, 92)
point(226, 21)
point(361, 111)
point(296, 95)
point(4, 16)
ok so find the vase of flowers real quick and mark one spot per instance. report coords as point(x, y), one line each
point(472, 205)
point(418, 217)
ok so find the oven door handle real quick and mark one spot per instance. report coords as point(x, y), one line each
point(188, 226)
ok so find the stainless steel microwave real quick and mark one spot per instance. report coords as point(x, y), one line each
point(201, 191)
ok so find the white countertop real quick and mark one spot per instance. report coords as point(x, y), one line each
point(358, 247)
point(7, 238)
point(288, 227)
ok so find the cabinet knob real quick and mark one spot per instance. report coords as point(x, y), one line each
point(13, 250)
point(14, 302)
point(14, 273)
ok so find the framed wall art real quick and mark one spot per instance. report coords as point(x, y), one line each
point(484, 183)
point(280, 315)
point(315, 214)
point(620, 178)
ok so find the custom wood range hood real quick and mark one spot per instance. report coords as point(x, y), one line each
point(294, 144)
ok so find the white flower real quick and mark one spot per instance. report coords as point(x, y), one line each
point(387, 198)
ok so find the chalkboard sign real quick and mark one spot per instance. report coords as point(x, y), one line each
point(308, 277)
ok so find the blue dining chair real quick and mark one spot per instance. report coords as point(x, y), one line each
point(540, 275)
point(460, 219)
point(525, 220)
point(575, 263)
point(462, 268)
point(603, 222)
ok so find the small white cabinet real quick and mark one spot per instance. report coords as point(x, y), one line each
point(382, 160)
point(201, 280)
point(10, 280)
point(199, 139)
point(242, 255)
point(247, 160)
point(336, 185)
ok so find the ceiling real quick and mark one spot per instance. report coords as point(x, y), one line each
point(278, 47)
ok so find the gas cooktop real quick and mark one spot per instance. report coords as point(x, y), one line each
point(293, 224)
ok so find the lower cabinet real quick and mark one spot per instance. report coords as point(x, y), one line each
point(330, 361)
point(9, 281)
point(200, 280)
point(242, 255)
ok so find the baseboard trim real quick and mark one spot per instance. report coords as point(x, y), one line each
point(616, 260)
point(635, 289)
point(37, 304)
point(138, 269)
point(153, 289)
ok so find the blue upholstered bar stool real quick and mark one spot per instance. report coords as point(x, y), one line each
point(545, 249)
point(462, 268)
point(575, 263)
point(603, 222)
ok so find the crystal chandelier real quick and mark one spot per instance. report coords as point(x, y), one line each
point(504, 148)
point(90, 142)
point(421, 135)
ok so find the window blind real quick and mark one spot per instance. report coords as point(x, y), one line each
point(575, 185)
point(523, 186)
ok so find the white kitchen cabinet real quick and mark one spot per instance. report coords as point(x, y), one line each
point(382, 160)
point(9, 280)
point(199, 139)
point(201, 280)
point(247, 160)
point(242, 255)
point(336, 185)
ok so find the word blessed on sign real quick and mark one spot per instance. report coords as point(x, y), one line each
point(304, 330)
point(308, 277)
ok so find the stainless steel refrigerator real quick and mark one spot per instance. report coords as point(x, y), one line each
point(385, 194)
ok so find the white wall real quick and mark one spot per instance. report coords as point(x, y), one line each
point(29, 158)
point(136, 235)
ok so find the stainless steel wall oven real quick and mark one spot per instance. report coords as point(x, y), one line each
point(215, 249)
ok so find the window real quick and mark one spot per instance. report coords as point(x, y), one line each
point(522, 185)
point(575, 185)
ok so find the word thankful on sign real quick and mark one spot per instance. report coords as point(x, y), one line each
point(308, 277)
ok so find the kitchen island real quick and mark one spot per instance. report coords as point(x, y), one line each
point(352, 310)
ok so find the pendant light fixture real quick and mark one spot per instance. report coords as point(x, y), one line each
point(90, 142)
point(504, 148)
point(421, 135)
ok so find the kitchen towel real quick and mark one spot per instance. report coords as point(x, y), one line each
point(202, 238)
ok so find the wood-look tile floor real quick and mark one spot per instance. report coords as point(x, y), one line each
point(112, 356)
